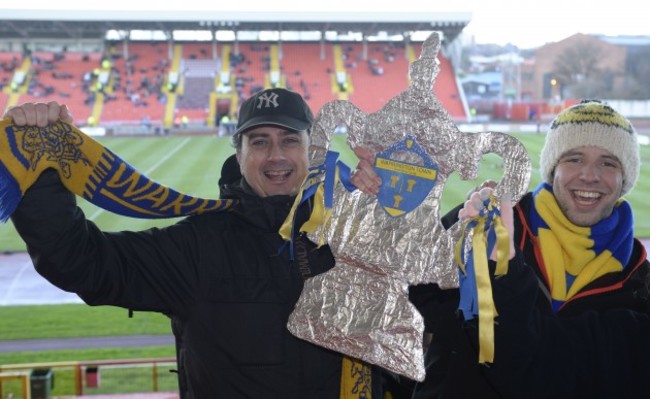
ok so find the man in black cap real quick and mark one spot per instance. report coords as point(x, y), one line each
point(272, 139)
point(226, 279)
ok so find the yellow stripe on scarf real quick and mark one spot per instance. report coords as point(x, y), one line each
point(87, 169)
point(566, 248)
point(356, 379)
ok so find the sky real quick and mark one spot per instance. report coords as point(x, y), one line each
point(524, 23)
point(530, 24)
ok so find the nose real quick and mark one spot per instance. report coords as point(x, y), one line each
point(590, 173)
point(276, 151)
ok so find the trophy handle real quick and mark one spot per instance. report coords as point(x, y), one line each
point(517, 168)
point(333, 114)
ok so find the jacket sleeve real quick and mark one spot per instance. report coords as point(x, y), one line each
point(149, 270)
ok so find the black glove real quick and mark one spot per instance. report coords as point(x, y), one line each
point(311, 259)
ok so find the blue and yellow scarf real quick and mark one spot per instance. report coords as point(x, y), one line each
point(88, 169)
point(574, 256)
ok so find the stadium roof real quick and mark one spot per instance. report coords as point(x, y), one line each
point(25, 24)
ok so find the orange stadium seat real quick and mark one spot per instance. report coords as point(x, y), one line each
point(307, 72)
point(371, 90)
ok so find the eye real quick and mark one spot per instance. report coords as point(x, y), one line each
point(572, 160)
point(258, 142)
point(292, 140)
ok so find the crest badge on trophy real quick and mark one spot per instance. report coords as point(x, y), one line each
point(404, 185)
point(384, 243)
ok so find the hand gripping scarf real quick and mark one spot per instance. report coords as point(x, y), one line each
point(87, 169)
point(574, 256)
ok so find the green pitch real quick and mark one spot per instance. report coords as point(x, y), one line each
point(192, 164)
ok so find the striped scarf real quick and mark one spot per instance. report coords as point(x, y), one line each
point(87, 169)
point(574, 256)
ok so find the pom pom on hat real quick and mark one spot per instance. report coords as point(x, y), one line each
point(592, 123)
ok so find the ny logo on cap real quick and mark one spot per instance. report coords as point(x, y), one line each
point(268, 99)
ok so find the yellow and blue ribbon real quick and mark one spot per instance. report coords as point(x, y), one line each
point(319, 184)
point(475, 285)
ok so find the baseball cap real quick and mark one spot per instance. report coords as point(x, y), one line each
point(276, 106)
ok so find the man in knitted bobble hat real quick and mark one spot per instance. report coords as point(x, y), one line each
point(573, 309)
point(592, 123)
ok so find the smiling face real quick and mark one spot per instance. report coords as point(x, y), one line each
point(274, 160)
point(587, 183)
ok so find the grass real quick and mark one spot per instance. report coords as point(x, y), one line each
point(77, 320)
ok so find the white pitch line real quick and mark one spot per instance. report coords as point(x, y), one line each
point(14, 282)
point(149, 171)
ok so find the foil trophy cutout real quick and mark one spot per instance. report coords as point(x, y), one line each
point(360, 307)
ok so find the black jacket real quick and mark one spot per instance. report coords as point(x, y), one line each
point(224, 278)
point(596, 346)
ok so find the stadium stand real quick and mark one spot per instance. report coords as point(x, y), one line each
point(136, 89)
point(447, 89)
point(63, 77)
point(9, 61)
point(382, 75)
point(132, 84)
point(307, 67)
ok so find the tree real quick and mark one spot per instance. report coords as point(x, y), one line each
point(580, 72)
point(637, 74)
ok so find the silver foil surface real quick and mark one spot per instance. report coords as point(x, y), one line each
point(360, 307)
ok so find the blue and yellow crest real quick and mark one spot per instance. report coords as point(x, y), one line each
point(408, 174)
